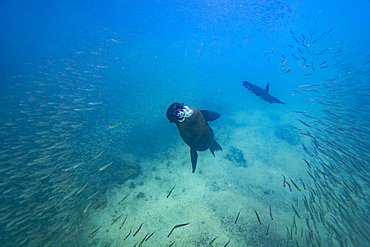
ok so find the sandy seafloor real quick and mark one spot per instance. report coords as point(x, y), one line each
point(211, 198)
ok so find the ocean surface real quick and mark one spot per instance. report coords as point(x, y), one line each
point(89, 158)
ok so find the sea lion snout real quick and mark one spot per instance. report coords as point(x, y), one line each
point(174, 112)
point(247, 85)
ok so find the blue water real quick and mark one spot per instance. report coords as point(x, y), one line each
point(69, 70)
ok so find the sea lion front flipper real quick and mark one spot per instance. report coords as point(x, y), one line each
point(210, 115)
point(215, 147)
point(194, 157)
point(267, 87)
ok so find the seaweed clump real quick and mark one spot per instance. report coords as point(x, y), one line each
point(237, 157)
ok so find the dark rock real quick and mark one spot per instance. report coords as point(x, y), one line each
point(140, 195)
point(237, 157)
point(132, 185)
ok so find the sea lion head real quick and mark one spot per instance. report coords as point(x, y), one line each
point(177, 112)
point(247, 85)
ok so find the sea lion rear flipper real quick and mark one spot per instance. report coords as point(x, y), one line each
point(194, 157)
point(278, 101)
point(210, 115)
point(215, 147)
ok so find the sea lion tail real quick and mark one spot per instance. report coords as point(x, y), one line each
point(215, 147)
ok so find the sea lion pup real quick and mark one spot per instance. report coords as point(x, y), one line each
point(194, 129)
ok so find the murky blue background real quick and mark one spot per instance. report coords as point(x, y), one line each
point(71, 69)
